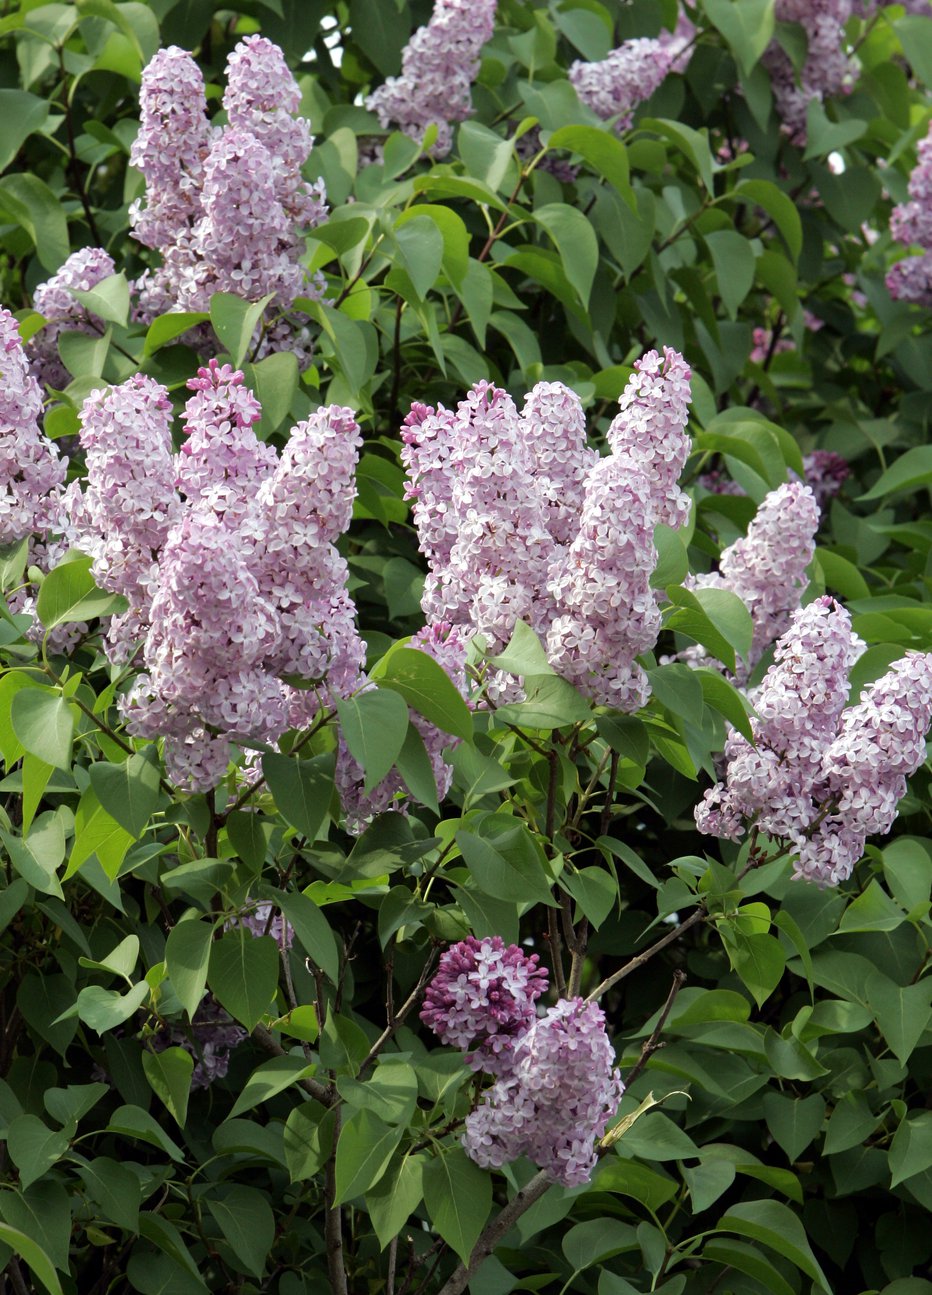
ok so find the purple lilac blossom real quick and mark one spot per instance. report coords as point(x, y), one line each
point(614, 86)
point(766, 568)
point(32, 472)
point(260, 918)
point(482, 998)
point(911, 224)
point(555, 1102)
point(438, 67)
point(83, 270)
point(828, 69)
point(520, 520)
point(210, 1038)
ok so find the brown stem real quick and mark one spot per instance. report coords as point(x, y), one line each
point(493, 1232)
point(17, 1280)
point(392, 1264)
point(333, 1224)
point(556, 952)
point(651, 1045)
point(396, 1018)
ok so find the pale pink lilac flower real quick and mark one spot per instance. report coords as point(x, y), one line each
point(828, 70)
point(555, 1101)
point(82, 270)
point(824, 472)
point(482, 998)
point(911, 224)
point(438, 67)
point(260, 918)
point(614, 86)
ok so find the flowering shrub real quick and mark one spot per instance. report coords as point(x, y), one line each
point(465, 647)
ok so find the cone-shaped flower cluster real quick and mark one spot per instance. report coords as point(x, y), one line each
point(82, 270)
point(828, 69)
point(821, 777)
point(226, 554)
point(911, 223)
point(482, 997)
point(438, 67)
point(614, 86)
point(555, 1101)
point(520, 520)
point(767, 567)
point(226, 208)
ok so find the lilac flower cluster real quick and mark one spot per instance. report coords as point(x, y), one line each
point(226, 555)
point(210, 1038)
point(818, 776)
point(261, 919)
point(614, 86)
point(911, 224)
point(482, 997)
point(226, 208)
point(555, 1101)
point(82, 270)
point(828, 69)
point(766, 568)
point(520, 520)
point(438, 67)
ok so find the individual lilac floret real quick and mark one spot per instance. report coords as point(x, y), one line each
point(31, 470)
point(767, 567)
point(83, 270)
point(438, 67)
point(555, 1102)
point(828, 69)
point(614, 86)
point(880, 743)
point(482, 998)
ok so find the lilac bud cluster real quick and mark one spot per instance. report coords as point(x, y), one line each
point(438, 67)
point(482, 997)
point(555, 1101)
point(226, 208)
point(828, 69)
point(226, 554)
point(83, 270)
point(520, 520)
point(614, 86)
point(820, 777)
point(911, 224)
point(210, 1038)
point(766, 568)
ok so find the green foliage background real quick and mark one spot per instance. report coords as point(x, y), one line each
point(793, 1150)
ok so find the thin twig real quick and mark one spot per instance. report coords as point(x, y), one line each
point(396, 1018)
point(651, 1045)
point(694, 918)
point(392, 1264)
point(333, 1220)
point(313, 1087)
point(556, 952)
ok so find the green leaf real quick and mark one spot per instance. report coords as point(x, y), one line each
point(374, 725)
point(234, 321)
point(550, 702)
point(42, 1212)
point(380, 31)
point(427, 688)
point(873, 910)
point(166, 328)
point(22, 113)
point(44, 723)
point(390, 1092)
point(459, 1198)
point(365, 1147)
point(244, 1216)
point(777, 205)
point(416, 770)
point(38, 856)
point(96, 832)
point(524, 655)
point(34, 1147)
point(108, 299)
point(911, 470)
point(115, 1190)
point(693, 144)
point(775, 1225)
point(134, 1122)
point(747, 26)
point(120, 961)
point(29, 202)
point(915, 33)
point(759, 960)
point(308, 1140)
point(793, 1121)
point(243, 974)
point(735, 263)
point(486, 155)
point(602, 149)
point(275, 382)
point(594, 890)
point(455, 236)
point(312, 931)
point(302, 789)
point(901, 1013)
point(33, 1255)
point(746, 1259)
point(169, 1074)
point(395, 1197)
point(911, 1149)
point(575, 240)
point(69, 594)
point(187, 954)
point(716, 618)
point(595, 1241)
point(106, 1009)
point(726, 699)
point(506, 869)
point(269, 1079)
point(128, 791)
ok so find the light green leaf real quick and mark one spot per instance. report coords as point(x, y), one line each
point(169, 1074)
point(775, 1225)
point(44, 723)
point(108, 299)
point(128, 791)
point(394, 1198)
point(365, 1147)
point(427, 688)
point(575, 240)
point(33, 1255)
point(187, 955)
point(69, 593)
point(234, 321)
point(243, 974)
point(459, 1198)
point(269, 1079)
point(29, 202)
